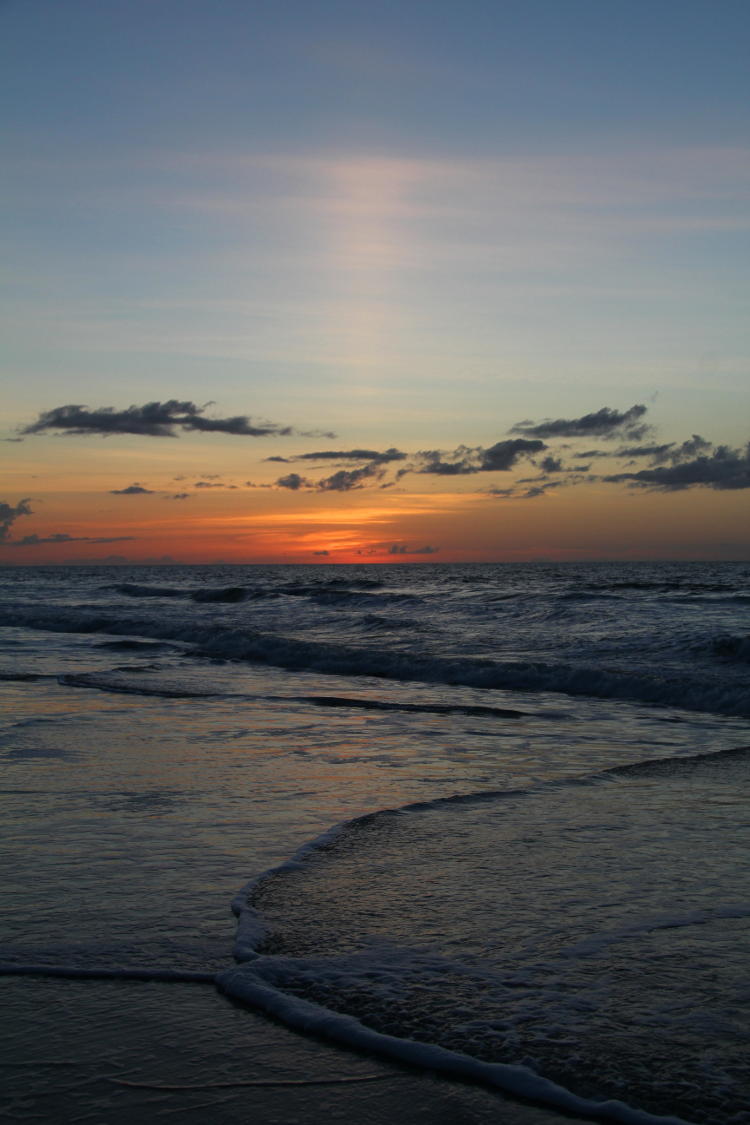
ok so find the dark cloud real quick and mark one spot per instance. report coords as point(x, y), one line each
point(696, 446)
point(240, 425)
point(602, 423)
point(62, 537)
point(179, 496)
point(466, 460)
point(371, 455)
point(551, 464)
point(132, 490)
point(402, 549)
point(9, 513)
point(208, 484)
point(154, 419)
point(294, 482)
point(658, 452)
point(432, 461)
point(345, 480)
point(504, 454)
point(725, 469)
point(524, 494)
point(321, 552)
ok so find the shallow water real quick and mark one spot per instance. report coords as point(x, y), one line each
point(160, 750)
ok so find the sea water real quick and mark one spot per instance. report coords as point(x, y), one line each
point(488, 818)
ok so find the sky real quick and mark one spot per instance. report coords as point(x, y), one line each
point(314, 281)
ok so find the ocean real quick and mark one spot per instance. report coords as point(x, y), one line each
point(489, 820)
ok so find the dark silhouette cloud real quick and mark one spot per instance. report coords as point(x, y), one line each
point(62, 537)
point(132, 490)
point(402, 549)
point(155, 419)
point(602, 423)
point(658, 452)
point(696, 446)
point(724, 469)
point(9, 513)
point(370, 455)
point(432, 461)
point(551, 464)
point(466, 460)
point(524, 494)
point(294, 482)
point(321, 552)
point(345, 480)
point(178, 496)
point(504, 454)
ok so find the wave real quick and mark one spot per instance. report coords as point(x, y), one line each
point(693, 692)
point(732, 648)
point(330, 592)
point(662, 586)
point(135, 590)
point(528, 1019)
point(251, 986)
point(222, 594)
point(115, 681)
point(252, 931)
point(430, 708)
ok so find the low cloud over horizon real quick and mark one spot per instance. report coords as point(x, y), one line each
point(555, 456)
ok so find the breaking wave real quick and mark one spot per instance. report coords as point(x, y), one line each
point(692, 692)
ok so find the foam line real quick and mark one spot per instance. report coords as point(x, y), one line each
point(242, 984)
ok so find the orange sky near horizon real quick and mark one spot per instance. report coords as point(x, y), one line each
point(266, 525)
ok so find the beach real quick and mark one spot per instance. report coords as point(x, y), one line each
point(511, 833)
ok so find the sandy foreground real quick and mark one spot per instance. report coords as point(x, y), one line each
point(119, 1052)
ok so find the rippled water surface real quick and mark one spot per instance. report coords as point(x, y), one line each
point(561, 885)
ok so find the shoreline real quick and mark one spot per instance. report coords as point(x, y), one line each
point(114, 1051)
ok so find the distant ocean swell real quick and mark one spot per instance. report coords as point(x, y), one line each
point(692, 692)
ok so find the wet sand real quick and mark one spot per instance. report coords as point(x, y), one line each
point(115, 1052)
